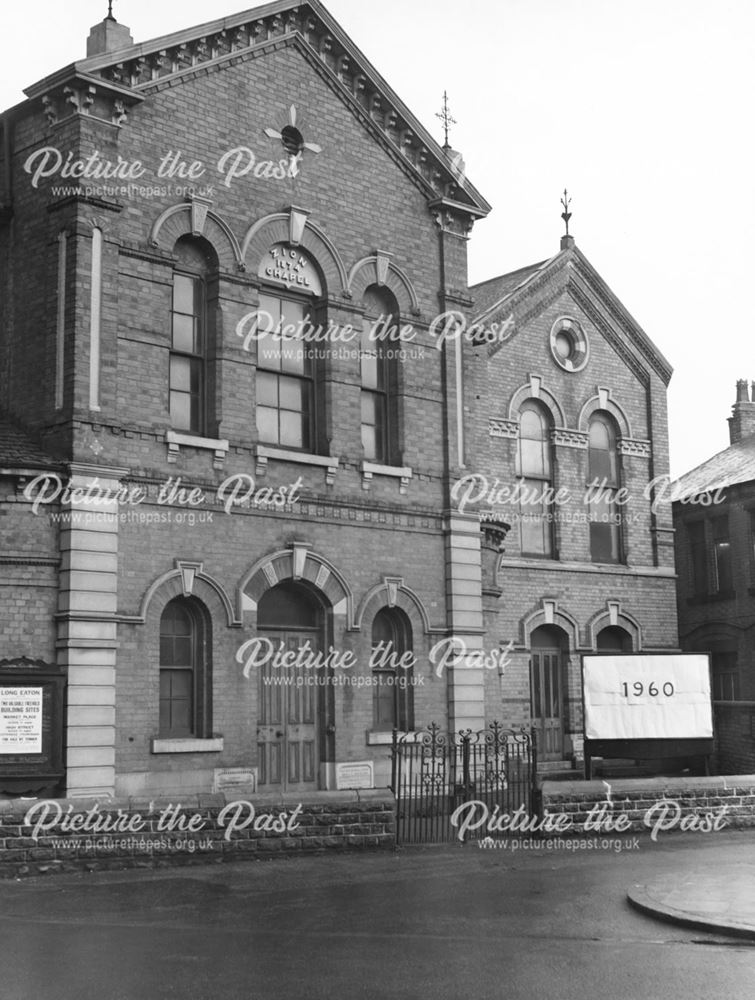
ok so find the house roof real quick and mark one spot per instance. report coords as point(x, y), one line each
point(18, 450)
point(138, 69)
point(733, 465)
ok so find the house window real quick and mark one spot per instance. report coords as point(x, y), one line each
point(184, 671)
point(285, 375)
point(725, 676)
point(190, 334)
point(698, 558)
point(536, 469)
point(393, 694)
point(614, 639)
point(379, 377)
point(187, 354)
point(722, 555)
point(603, 483)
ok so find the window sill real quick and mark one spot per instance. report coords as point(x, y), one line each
point(176, 441)
point(187, 744)
point(263, 453)
point(370, 469)
point(382, 737)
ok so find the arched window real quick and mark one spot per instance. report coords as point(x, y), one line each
point(393, 693)
point(379, 376)
point(603, 484)
point(185, 672)
point(285, 374)
point(290, 378)
point(535, 467)
point(614, 639)
point(189, 336)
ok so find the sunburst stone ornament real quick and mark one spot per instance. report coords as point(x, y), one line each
point(293, 141)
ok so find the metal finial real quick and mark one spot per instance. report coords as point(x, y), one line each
point(110, 10)
point(566, 214)
point(445, 117)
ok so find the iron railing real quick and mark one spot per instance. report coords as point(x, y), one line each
point(434, 773)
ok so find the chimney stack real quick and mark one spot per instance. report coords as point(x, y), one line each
point(108, 36)
point(742, 419)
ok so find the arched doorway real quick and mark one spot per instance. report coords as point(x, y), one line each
point(549, 651)
point(289, 696)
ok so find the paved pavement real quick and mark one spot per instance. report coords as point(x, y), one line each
point(716, 897)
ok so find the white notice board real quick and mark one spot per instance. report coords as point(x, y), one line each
point(20, 720)
point(647, 696)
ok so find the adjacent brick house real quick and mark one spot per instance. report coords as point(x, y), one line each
point(196, 507)
point(714, 517)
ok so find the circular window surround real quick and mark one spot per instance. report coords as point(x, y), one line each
point(569, 345)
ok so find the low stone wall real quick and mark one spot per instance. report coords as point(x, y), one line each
point(39, 837)
point(658, 805)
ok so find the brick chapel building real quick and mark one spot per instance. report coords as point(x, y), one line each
point(714, 517)
point(194, 506)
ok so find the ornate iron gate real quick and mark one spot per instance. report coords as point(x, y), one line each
point(434, 773)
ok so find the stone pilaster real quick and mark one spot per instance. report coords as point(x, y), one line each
point(87, 627)
point(466, 690)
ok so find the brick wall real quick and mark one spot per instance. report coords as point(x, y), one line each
point(720, 621)
point(197, 830)
point(734, 728)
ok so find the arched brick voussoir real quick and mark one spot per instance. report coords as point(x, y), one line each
point(190, 219)
point(304, 566)
point(384, 595)
point(278, 229)
point(203, 587)
point(367, 272)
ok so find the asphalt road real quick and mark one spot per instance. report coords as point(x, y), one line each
point(447, 923)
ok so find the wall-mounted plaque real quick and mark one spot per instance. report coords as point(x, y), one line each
point(230, 779)
point(290, 267)
point(355, 774)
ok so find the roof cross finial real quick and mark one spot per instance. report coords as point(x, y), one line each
point(110, 10)
point(566, 214)
point(445, 117)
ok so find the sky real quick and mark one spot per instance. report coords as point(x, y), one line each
point(641, 108)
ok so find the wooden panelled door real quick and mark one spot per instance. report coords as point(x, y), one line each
point(287, 719)
point(545, 692)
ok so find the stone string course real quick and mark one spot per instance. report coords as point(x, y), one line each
point(358, 820)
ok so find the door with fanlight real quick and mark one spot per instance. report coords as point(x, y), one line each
point(288, 696)
point(546, 692)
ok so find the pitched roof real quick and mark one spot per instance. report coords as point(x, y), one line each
point(735, 464)
point(131, 72)
point(588, 289)
point(493, 292)
point(18, 450)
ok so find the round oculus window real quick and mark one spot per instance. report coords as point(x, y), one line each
point(292, 139)
point(569, 344)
